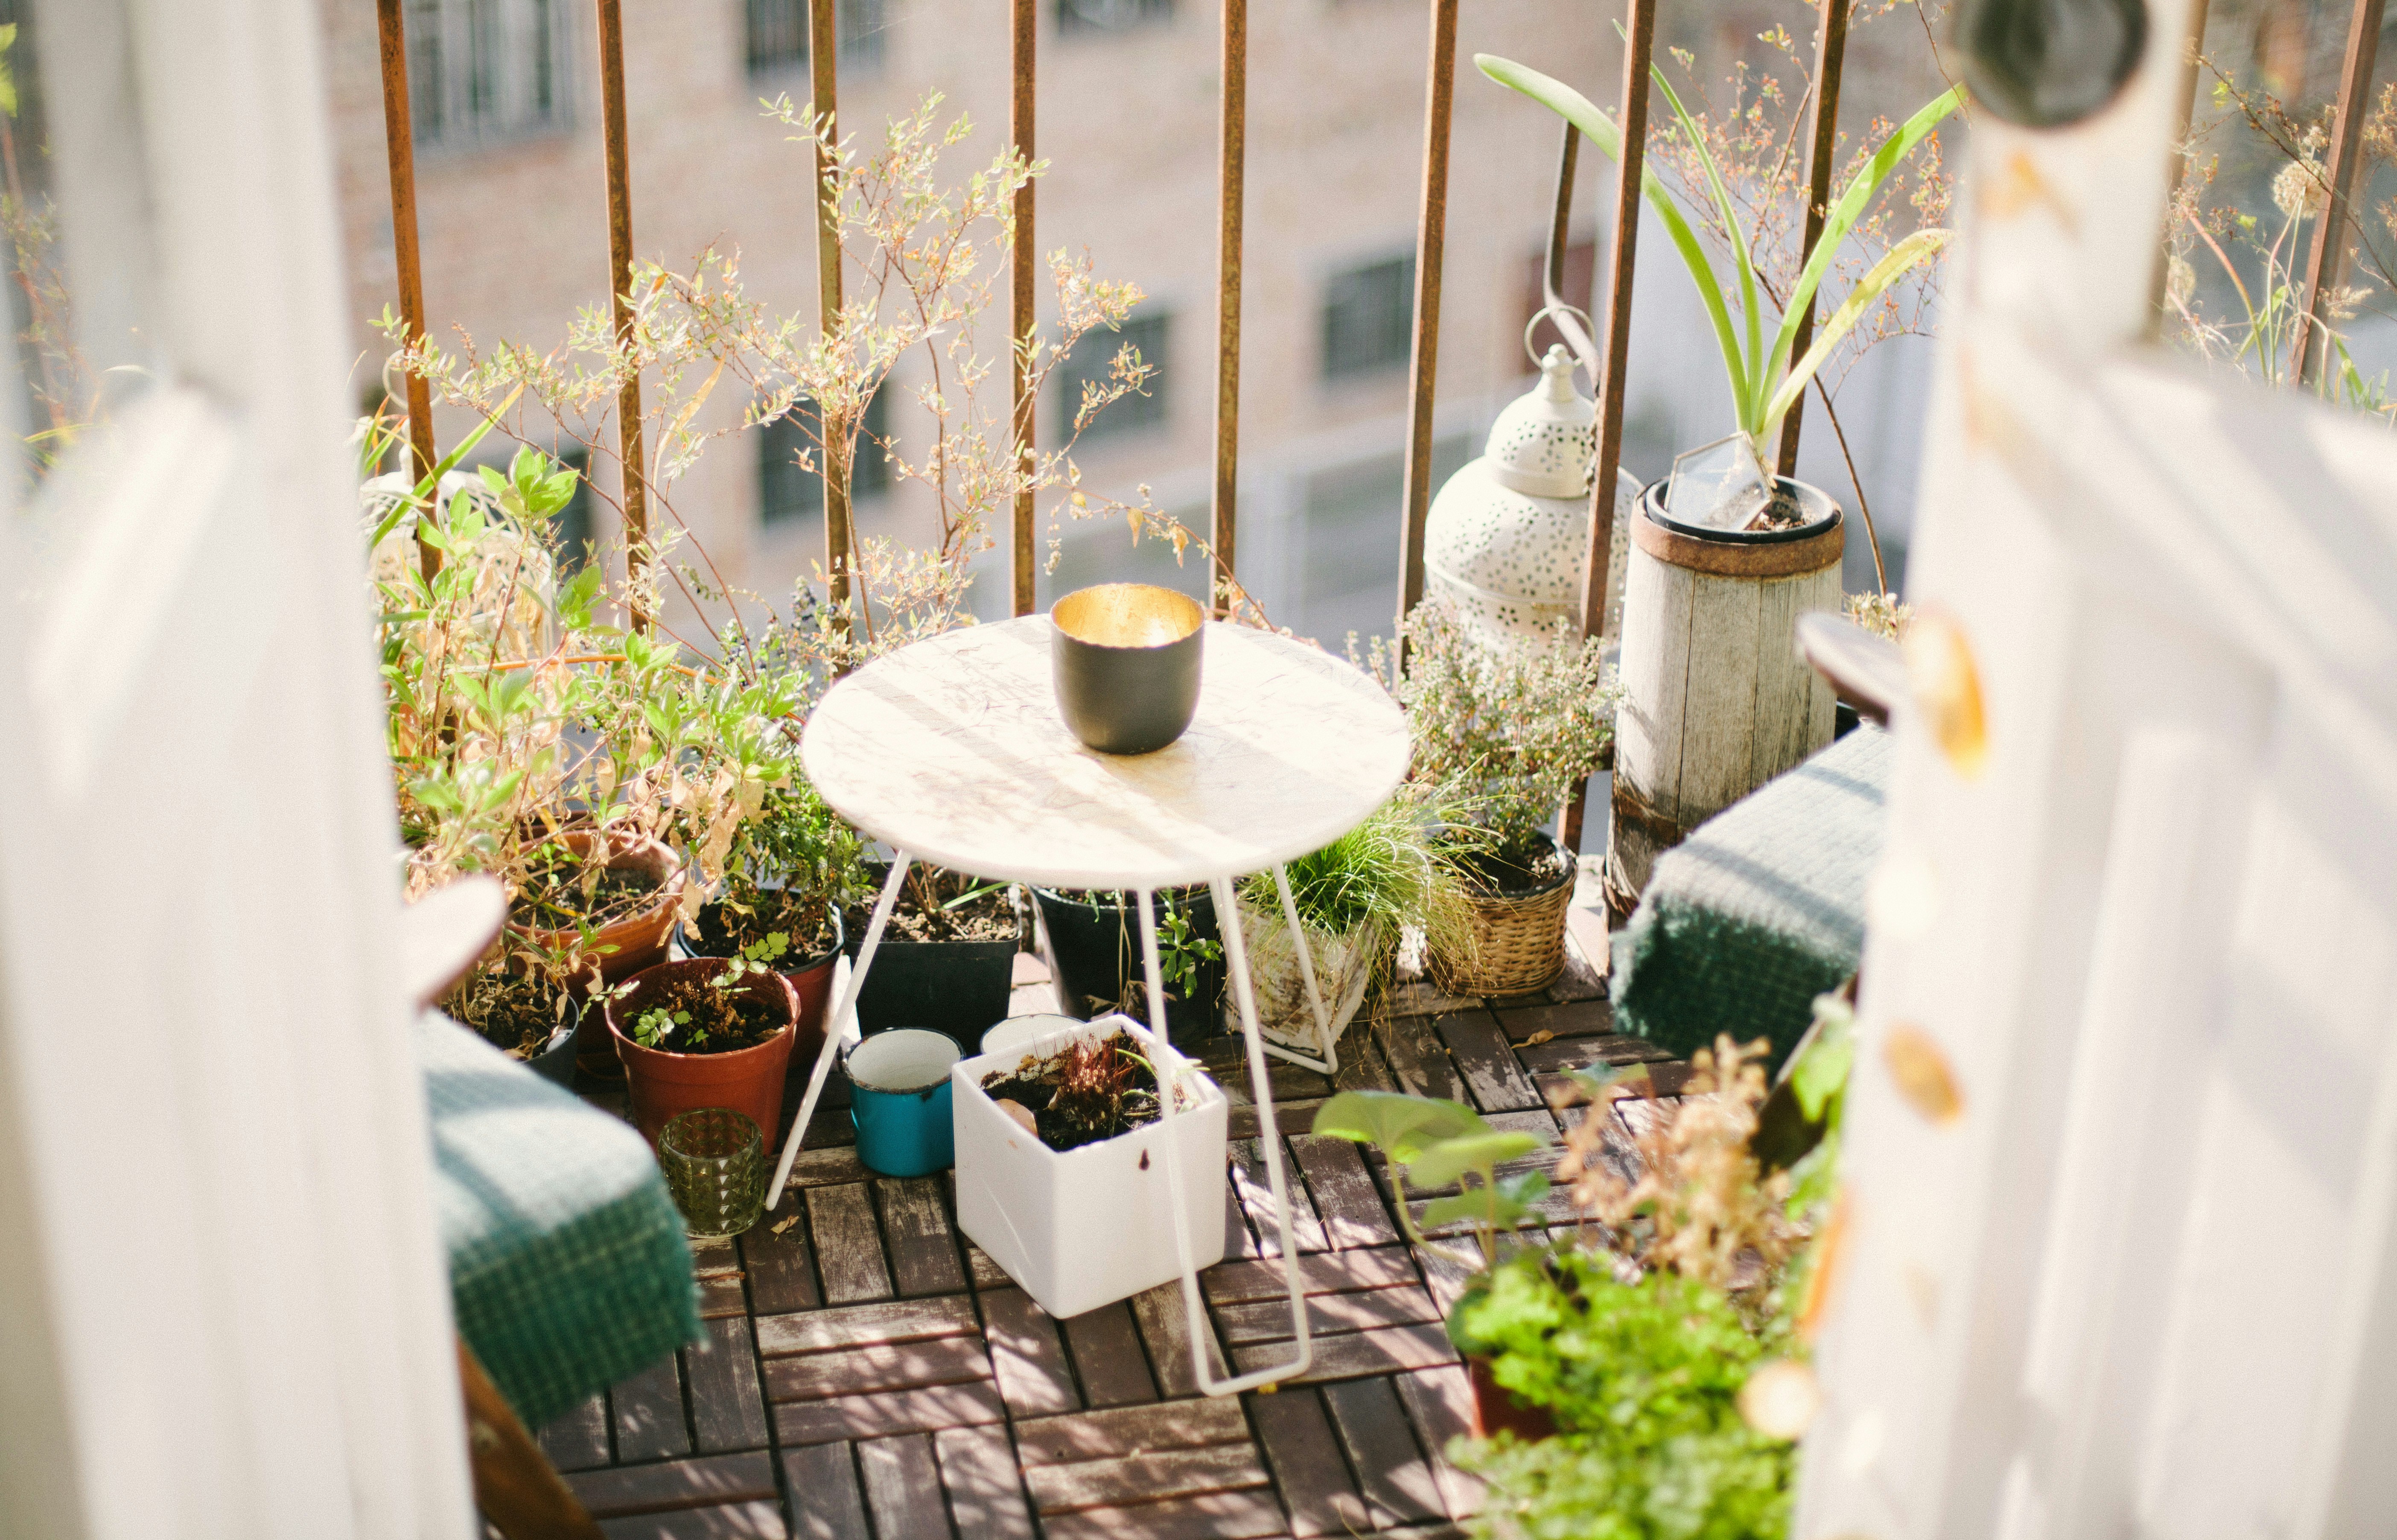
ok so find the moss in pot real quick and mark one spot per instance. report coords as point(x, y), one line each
point(947, 959)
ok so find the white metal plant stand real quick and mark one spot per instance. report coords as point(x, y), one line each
point(952, 751)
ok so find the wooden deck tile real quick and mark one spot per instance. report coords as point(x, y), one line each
point(1027, 1355)
point(1107, 1357)
point(1349, 1207)
point(848, 1245)
point(1244, 1122)
point(1120, 1431)
point(1164, 1324)
point(736, 1521)
point(902, 1488)
point(1268, 1320)
point(986, 1490)
point(892, 1412)
point(1248, 1515)
point(1555, 1058)
point(1444, 1278)
point(717, 1265)
point(986, 1273)
point(864, 1325)
point(1588, 958)
point(1249, 1180)
point(1147, 1476)
point(1362, 1067)
point(1440, 1403)
point(1226, 1060)
point(833, 1167)
point(1420, 1059)
point(1390, 1470)
point(885, 1366)
point(1488, 1062)
point(1525, 1021)
point(1307, 1468)
point(1355, 1355)
point(826, 1501)
point(676, 1484)
point(727, 1410)
point(648, 1409)
point(1422, 997)
point(1325, 1272)
point(923, 1251)
point(578, 1440)
point(781, 1267)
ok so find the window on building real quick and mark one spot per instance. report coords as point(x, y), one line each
point(483, 71)
point(1369, 318)
point(789, 492)
point(778, 34)
point(1097, 16)
point(1093, 358)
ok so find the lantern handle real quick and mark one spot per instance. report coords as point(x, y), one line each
point(1543, 314)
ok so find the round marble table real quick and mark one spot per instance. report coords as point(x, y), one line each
point(953, 751)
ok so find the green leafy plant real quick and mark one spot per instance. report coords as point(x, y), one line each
point(1503, 732)
point(1765, 380)
point(1645, 1378)
point(1435, 1143)
point(1183, 955)
point(653, 1026)
point(1385, 874)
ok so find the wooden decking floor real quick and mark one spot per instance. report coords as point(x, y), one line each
point(869, 1375)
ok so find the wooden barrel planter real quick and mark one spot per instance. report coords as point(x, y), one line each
point(1717, 700)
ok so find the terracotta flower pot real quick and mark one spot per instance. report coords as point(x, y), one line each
point(811, 976)
point(748, 1079)
point(639, 938)
point(1495, 1408)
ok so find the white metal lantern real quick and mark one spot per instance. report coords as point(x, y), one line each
point(1509, 535)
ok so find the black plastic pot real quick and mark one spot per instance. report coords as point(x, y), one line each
point(956, 987)
point(556, 1061)
point(1094, 947)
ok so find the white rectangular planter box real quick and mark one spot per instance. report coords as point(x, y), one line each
point(1091, 1225)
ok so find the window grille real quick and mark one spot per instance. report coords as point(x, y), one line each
point(1369, 318)
point(482, 72)
point(1103, 15)
point(777, 34)
point(1093, 359)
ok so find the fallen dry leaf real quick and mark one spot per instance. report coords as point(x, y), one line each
point(1536, 1039)
point(785, 1224)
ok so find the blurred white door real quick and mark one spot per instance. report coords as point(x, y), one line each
point(227, 1309)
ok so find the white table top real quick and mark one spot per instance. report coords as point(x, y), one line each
point(953, 750)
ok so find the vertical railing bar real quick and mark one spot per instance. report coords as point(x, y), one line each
point(1633, 120)
point(1431, 240)
point(1552, 275)
point(1223, 531)
point(400, 144)
point(1831, 57)
point(2326, 263)
point(2158, 299)
point(620, 289)
point(823, 72)
point(1025, 258)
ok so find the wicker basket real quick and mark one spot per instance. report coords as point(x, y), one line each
point(1518, 942)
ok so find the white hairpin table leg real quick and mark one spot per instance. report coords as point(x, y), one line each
point(1326, 1045)
point(825, 1054)
point(1268, 1136)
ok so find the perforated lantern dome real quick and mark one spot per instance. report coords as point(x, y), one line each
point(1507, 534)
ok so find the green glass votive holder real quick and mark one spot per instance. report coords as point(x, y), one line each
point(715, 1163)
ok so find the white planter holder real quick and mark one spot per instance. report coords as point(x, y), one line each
point(1085, 1227)
point(1286, 1015)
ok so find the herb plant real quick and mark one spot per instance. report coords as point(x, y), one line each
point(1435, 1143)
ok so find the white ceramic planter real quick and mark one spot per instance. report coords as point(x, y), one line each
point(1344, 966)
point(1091, 1225)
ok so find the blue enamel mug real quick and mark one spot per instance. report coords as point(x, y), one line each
point(899, 1099)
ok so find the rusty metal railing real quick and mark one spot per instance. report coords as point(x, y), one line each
point(399, 148)
point(2325, 262)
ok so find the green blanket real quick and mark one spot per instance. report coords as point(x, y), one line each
point(567, 1262)
point(1760, 910)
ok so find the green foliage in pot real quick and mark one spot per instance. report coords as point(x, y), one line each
point(1503, 732)
point(1385, 874)
point(793, 866)
point(1645, 1378)
point(1765, 378)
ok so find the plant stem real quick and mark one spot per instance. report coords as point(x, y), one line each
point(1881, 575)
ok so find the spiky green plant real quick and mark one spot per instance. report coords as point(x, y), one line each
point(1764, 381)
point(1380, 876)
